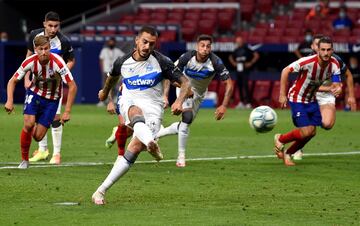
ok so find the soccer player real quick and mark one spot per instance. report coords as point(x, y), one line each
point(313, 72)
point(42, 98)
point(141, 104)
point(200, 66)
point(59, 44)
point(326, 99)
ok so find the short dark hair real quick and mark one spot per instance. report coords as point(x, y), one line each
point(318, 36)
point(53, 16)
point(148, 29)
point(325, 39)
point(203, 37)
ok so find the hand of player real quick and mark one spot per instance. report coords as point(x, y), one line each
point(220, 112)
point(9, 107)
point(101, 95)
point(336, 90)
point(110, 108)
point(65, 117)
point(352, 103)
point(176, 108)
point(166, 102)
point(283, 101)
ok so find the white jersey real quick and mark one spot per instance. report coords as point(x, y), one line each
point(142, 79)
point(201, 74)
point(47, 78)
point(311, 77)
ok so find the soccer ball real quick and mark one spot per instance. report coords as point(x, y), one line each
point(263, 119)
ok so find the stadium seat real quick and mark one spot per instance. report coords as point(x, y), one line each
point(272, 39)
point(261, 93)
point(275, 92)
point(188, 33)
point(207, 27)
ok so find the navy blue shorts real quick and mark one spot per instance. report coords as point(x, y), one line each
point(305, 114)
point(43, 109)
point(118, 103)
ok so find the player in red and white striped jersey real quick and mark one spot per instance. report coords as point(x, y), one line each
point(42, 98)
point(313, 71)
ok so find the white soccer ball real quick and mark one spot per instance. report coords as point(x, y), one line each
point(263, 119)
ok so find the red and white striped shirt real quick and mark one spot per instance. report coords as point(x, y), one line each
point(47, 79)
point(311, 77)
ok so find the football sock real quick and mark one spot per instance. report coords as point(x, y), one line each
point(56, 137)
point(183, 137)
point(170, 130)
point(25, 142)
point(143, 133)
point(121, 137)
point(298, 144)
point(290, 136)
point(121, 166)
point(43, 144)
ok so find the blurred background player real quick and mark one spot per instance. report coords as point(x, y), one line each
point(141, 104)
point(42, 98)
point(108, 54)
point(199, 66)
point(304, 48)
point(243, 59)
point(60, 45)
point(314, 71)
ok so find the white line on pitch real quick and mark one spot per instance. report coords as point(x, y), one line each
point(46, 165)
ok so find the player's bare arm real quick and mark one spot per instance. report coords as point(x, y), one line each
point(221, 110)
point(70, 101)
point(283, 85)
point(166, 87)
point(109, 84)
point(70, 63)
point(351, 101)
point(110, 107)
point(176, 107)
point(9, 105)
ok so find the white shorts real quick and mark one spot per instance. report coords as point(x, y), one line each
point(325, 98)
point(58, 111)
point(193, 102)
point(153, 113)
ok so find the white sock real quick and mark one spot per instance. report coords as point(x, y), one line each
point(56, 137)
point(143, 133)
point(121, 166)
point(183, 137)
point(43, 143)
point(170, 130)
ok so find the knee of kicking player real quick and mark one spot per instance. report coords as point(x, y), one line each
point(308, 131)
point(135, 119)
point(328, 124)
point(187, 117)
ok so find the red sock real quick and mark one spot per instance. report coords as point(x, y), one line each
point(121, 137)
point(25, 142)
point(290, 136)
point(297, 145)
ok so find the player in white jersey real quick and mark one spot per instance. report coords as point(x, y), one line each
point(313, 72)
point(59, 44)
point(141, 104)
point(42, 98)
point(200, 66)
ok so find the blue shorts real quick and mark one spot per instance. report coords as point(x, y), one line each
point(305, 114)
point(43, 109)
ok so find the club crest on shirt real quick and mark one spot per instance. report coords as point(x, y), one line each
point(51, 73)
point(149, 68)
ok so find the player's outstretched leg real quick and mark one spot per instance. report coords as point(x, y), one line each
point(170, 130)
point(56, 131)
point(42, 153)
point(120, 168)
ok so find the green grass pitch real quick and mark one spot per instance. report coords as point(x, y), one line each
point(225, 188)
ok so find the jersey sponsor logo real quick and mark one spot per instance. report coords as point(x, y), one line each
point(198, 75)
point(144, 81)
